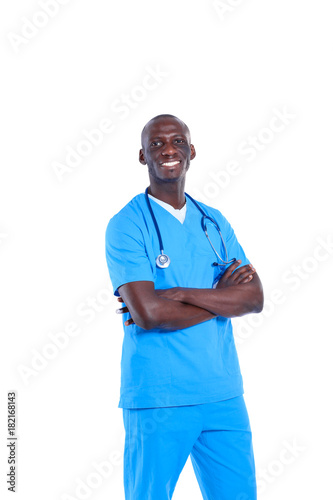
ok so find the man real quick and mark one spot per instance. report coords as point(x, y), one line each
point(181, 385)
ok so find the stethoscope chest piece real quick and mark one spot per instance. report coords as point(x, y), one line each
point(162, 261)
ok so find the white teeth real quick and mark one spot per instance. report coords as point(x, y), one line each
point(171, 163)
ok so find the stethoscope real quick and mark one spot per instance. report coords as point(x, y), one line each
point(163, 261)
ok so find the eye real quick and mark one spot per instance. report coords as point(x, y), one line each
point(180, 141)
point(155, 143)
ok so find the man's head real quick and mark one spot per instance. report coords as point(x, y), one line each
point(166, 148)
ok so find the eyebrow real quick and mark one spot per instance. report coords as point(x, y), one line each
point(174, 135)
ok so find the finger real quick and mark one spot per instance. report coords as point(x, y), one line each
point(129, 322)
point(120, 299)
point(122, 310)
point(246, 279)
point(246, 266)
point(242, 272)
point(244, 276)
point(230, 269)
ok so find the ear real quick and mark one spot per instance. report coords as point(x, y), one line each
point(142, 158)
point(193, 152)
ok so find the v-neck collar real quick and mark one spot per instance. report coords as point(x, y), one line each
point(188, 203)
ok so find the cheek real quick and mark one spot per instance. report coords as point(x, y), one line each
point(149, 161)
point(186, 150)
point(151, 158)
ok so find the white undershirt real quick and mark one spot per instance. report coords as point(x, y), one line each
point(179, 213)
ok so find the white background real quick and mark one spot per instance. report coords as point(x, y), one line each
point(224, 75)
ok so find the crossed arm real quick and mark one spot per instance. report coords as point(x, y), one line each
point(237, 293)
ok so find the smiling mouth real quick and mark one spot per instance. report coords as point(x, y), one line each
point(170, 163)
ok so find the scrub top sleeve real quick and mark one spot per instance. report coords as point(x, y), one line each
point(126, 255)
point(234, 248)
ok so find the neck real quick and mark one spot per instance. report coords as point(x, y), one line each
point(171, 193)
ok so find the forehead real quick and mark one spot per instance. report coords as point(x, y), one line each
point(165, 127)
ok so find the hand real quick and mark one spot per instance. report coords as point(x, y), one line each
point(123, 310)
point(231, 277)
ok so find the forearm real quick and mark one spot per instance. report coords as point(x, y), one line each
point(149, 310)
point(229, 302)
point(171, 315)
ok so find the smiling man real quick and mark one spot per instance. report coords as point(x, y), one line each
point(181, 275)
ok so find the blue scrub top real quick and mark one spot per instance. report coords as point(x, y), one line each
point(195, 365)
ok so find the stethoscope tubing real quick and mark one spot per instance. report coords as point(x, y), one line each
point(203, 225)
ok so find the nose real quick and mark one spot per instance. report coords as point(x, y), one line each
point(169, 149)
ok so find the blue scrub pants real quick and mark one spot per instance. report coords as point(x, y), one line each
point(217, 436)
